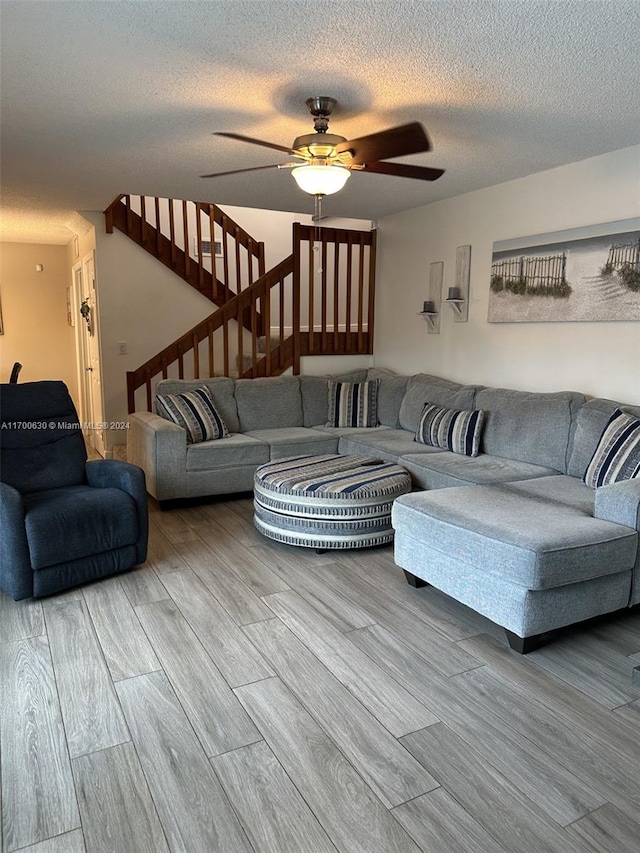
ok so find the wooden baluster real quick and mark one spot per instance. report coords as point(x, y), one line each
point(196, 356)
point(180, 361)
point(372, 287)
point(360, 293)
point(185, 228)
point(261, 267)
point(158, 232)
point(200, 255)
point(347, 318)
point(225, 343)
point(143, 217)
point(240, 358)
point(214, 273)
point(323, 263)
point(172, 232)
point(210, 345)
point(238, 269)
point(165, 366)
point(225, 254)
point(281, 307)
point(312, 298)
point(254, 335)
point(265, 307)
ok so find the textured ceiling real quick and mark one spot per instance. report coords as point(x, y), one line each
point(101, 98)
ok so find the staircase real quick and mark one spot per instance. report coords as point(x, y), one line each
point(319, 300)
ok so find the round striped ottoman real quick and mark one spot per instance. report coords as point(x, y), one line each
point(328, 501)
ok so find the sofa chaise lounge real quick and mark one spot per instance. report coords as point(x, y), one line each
point(514, 532)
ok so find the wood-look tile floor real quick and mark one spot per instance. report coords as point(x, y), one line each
point(237, 695)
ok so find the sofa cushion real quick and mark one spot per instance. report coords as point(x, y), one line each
point(443, 470)
point(234, 451)
point(590, 424)
point(528, 426)
point(387, 444)
point(294, 441)
point(423, 388)
point(451, 429)
point(353, 404)
point(94, 521)
point(617, 456)
point(315, 396)
point(221, 388)
point(391, 391)
point(489, 527)
point(269, 402)
point(195, 412)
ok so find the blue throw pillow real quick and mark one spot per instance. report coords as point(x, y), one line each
point(450, 429)
point(617, 454)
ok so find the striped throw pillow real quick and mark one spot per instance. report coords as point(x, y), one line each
point(195, 412)
point(353, 404)
point(458, 431)
point(617, 454)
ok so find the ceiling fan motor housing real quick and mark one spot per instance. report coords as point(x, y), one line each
point(317, 145)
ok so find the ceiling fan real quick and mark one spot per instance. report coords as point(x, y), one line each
point(324, 160)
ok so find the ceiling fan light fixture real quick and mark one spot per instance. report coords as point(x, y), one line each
point(321, 180)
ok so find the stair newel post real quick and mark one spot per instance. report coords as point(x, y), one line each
point(253, 306)
point(281, 307)
point(210, 347)
point(131, 391)
point(129, 217)
point(295, 309)
point(148, 376)
point(196, 356)
point(372, 288)
point(225, 342)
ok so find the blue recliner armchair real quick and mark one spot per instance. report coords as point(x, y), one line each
point(63, 520)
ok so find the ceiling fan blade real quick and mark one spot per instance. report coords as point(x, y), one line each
point(238, 171)
point(395, 142)
point(254, 141)
point(404, 170)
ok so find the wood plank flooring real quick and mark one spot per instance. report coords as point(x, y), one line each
point(234, 695)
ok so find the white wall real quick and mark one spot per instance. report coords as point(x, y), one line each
point(34, 311)
point(599, 359)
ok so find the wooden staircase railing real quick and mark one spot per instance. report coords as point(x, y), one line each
point(178, 233)
point(206, 349)
point(317, 301)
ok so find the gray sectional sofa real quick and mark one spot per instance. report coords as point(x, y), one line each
point(514, 533)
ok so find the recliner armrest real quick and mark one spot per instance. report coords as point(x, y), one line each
point(112, 473)
point(16, 574)
point(159, 447)
point(619, 502)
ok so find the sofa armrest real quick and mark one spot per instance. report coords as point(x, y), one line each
point(111, 473)
point(16, 574)
point(159, 447)
point(619, 502)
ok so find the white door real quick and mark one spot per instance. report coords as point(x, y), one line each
point(88, 345)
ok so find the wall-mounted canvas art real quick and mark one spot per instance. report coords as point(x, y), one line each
point(584, 274)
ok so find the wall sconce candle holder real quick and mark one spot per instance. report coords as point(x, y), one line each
point(431, 306)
